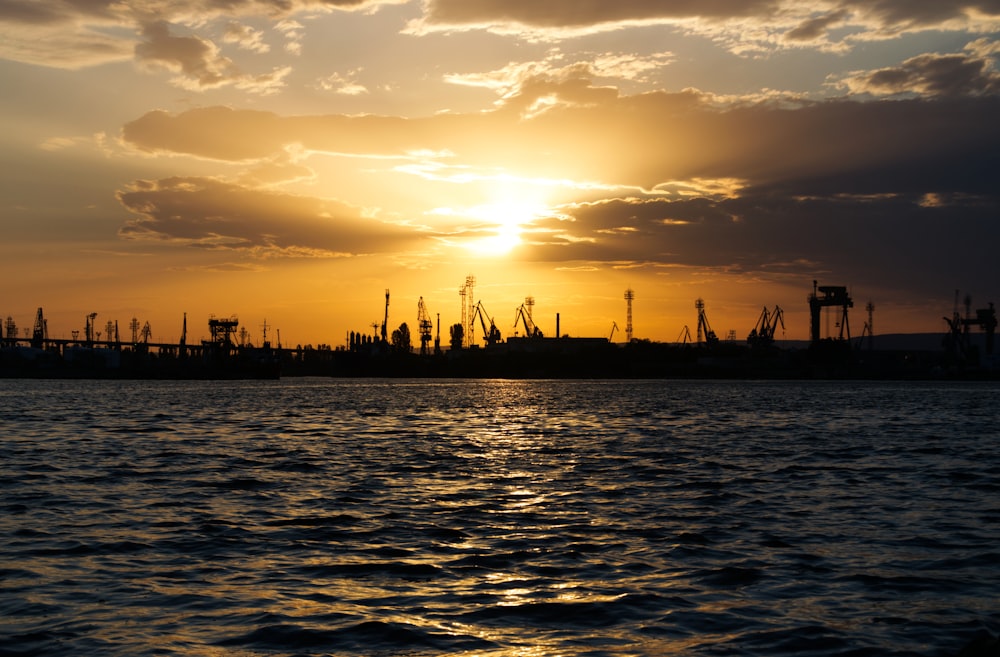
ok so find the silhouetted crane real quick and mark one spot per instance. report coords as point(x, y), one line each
point(825, 296)
point(684, 336)
point(762, 335)
point(385, 320)
point(491, 334)
point(530, 329)
point(703, 328)
point(424, 326)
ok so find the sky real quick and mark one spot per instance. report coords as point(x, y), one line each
point(288, 161)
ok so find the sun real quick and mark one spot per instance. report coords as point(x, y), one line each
point(506, 218)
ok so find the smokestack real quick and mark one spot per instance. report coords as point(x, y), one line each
point(557, 325)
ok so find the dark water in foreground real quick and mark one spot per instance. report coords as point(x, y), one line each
point(497, 518)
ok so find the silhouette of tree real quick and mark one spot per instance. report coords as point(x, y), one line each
point(401, 339)
point(457, 336)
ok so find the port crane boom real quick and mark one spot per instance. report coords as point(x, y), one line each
point(762, 334)
point(492, 334)
point(530, 329)
point(385, 320)
point(703, 327)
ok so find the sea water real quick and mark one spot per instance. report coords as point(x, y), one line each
point(498, 518)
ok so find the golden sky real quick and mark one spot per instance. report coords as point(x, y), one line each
point(287, 161)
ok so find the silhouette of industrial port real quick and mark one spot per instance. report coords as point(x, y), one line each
point(965, 349)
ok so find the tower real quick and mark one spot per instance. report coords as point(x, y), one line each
point(629, 296)
point(467, 293)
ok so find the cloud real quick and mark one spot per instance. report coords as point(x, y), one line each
point(816, 27)
point(745, 27)
point(212, 214)
point(571, 13)
point(83, 33)
point(891, 241)
point(60, 34)
point(897, 16)
point(344, 85)
point(929, 74)
point(515, 78)
point(198, 62)
point(873, 190)
point(640, 141)
point(245, 37)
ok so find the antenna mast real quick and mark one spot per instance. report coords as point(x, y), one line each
point(629, 296)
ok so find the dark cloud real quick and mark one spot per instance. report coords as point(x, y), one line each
point(889, 15)
point(893, 242)
point(59, 11)
point(572, 13)
point(930, 75)
point(907, 14)
point(73, 34)
point(815, 28)
point(212, 214)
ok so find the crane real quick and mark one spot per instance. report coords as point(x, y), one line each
point(385, 321)
point(762, 334)
point(40, 332)
point(614, 327)
point(530, 329)
point(958, 338)
point(825, 296)
point(492, 334)
point(703, 328)
point(684, 336)
point(424, 325)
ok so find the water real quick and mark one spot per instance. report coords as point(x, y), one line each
point(497, 518)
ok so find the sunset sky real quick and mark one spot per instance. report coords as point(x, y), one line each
point(288, 160)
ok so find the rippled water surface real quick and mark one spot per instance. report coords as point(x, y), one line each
point(497, 518)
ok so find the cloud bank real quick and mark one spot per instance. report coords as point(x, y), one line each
point(212, 214)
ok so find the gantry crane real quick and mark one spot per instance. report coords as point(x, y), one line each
point(492, 334)
point(832, 295)
point(424, 325)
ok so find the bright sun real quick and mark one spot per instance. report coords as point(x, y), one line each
point(506, 218)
